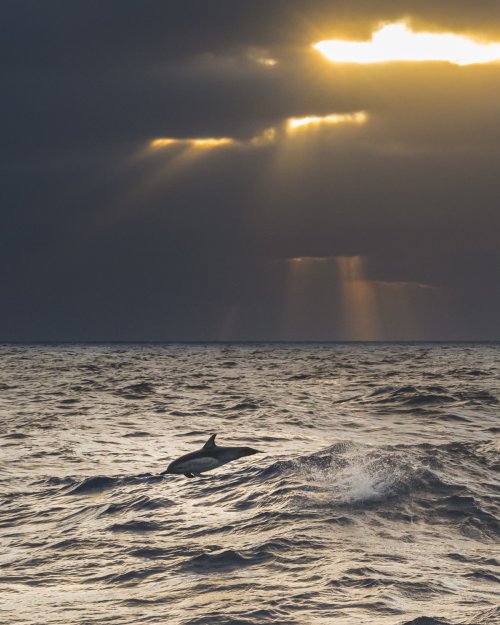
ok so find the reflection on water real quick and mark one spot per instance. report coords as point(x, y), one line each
point(374, 500)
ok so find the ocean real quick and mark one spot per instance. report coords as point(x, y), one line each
point(374, 500)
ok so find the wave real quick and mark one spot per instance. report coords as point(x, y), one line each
point(352, 473)
point(399, 482)
point(139, 526)
point(133, 576)
point(94, 484)
point(15, 436)
point(222, 561)
point(426, 620)
point(414, 396)
point(142, 502)
point(100, 483)
point(141, 390)
point(482, 617)
point(277, 550)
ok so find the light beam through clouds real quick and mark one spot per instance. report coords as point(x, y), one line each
point(397, 42)
point(266, 137)
point(359, 300)
point(358, 308)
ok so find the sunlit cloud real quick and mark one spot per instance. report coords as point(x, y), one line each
point(168, 159)
point(397, 42)
point(264, 138)
point(163, 143)
point(359, 117)
point(404, 285)
point(261, 57)
point(269, 62)
point(204, 142)
point(310, 259)
point(210, 143)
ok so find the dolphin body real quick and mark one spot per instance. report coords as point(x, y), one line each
point(209, 457)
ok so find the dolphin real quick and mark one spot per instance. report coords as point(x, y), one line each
point(209, 457)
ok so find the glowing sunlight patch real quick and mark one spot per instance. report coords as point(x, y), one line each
point(338, 118)
point(210, 142)
point(396, 42)
point(163, 143)
point(267, 137)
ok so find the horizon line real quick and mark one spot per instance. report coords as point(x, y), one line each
point(250, 342)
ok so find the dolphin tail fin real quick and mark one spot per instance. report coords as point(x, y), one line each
point(210, 443)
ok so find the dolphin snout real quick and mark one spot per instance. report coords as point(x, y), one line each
point(167, 470)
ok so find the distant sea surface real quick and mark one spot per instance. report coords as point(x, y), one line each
point(375, 499)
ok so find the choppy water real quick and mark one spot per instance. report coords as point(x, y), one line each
point(375, 500)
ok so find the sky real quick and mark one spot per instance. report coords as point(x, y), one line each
point(215, 171)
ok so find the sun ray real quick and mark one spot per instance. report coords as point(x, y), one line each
point(359, 300)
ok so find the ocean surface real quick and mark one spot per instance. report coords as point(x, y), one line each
point(374, 500)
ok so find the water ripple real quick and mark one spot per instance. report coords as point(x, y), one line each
point(374, 498)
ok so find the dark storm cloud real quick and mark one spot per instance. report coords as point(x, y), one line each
point(101, 241)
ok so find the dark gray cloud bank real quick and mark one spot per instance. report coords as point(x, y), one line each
point(383, 230)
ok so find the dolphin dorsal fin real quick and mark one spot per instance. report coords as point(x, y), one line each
point(210, 443)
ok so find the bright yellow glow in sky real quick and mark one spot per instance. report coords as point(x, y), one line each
point(337, 118)
point(266, 137)
point(396, 42)
point(209, 142)
point(163, 143)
